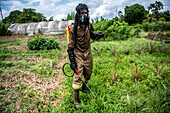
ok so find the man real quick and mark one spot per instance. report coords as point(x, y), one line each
point(79, 50)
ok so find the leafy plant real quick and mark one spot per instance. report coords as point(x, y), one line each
point(115, 29)
point(147, 27)
point(137, 72)
point(157, 70)
point(113, 50)
point(126, 51)
point(136, 33)
point(41, 43)
point(163, 46)
point(138, 48)
point(4, 29)
point(113, 77)
point(40, 31)
point(151, 47)
point(117, 60)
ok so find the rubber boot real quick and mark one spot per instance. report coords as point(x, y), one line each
point(76, 99)
point(83, 89)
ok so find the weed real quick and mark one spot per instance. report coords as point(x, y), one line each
point(117, 60)
point(113, 77)
point(163, 46)
point(113, 50)
point(138, 48)
point(151, 47)
point(157, 70)
point(136, 73)
point(126, 51)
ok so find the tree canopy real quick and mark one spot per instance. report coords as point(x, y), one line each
point(135, 13)
point(155, 8)
point(25, 16)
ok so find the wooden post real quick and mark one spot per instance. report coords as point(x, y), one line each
point(1, 15)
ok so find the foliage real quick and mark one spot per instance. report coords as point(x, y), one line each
point(124, 95)
point(4, 29)
point(166, 15)
point(26, 16)
point(51, 18)
point(155, 7)
point(118, 31)
point(156, 26)
point(158, 71)
point(113, 77)
point(135, 13)
point(136, 72)
point(162, 19)
point(41, 43)
point(28, 79)
point(70, 16)
point(115, 29)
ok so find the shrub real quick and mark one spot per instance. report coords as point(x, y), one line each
point(114, 29)
point(41, 43)
point(162, 19)
point(168, 34)
point(4, 29)
point(118, 31)
point(167, 26)
point(147, 27)
point(159, 26)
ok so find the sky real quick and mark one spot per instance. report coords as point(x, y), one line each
point(60, 8)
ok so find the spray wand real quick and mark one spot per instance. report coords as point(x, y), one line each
point(79, 76)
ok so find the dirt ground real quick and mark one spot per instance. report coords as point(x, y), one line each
point(10, 79)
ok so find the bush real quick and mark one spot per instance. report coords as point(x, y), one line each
point(114, 29)
point(159, 26)
point(167, 26)
point(42, 43)
point(156, 26)
point(147, 27)
point(4, 29)
point(162, 19)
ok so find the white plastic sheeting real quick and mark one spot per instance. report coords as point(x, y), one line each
point(51, 27)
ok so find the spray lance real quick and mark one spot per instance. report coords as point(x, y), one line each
point(70, 75)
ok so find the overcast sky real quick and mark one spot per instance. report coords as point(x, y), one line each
point(60, 8)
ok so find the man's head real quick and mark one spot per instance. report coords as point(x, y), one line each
point(81, 7)
point(82, 13)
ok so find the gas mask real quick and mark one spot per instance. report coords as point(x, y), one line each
point(84, 18)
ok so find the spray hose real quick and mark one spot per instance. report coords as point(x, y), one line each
point(79, 76)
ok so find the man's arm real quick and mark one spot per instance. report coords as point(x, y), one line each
point(70, 50)
point(95, 36)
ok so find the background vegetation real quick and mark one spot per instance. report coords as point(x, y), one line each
point(130, 67)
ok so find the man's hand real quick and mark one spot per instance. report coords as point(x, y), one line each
point(73, 66)
point(100, 34)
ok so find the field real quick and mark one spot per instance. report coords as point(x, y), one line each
point(128, 76)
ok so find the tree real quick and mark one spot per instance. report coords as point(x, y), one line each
point(135, 13)
point(70, 16)
point(120, 14)
point(166, 15)
point(4, 29)
point(51, 18)
point(25, 16)
point(13, 17)
point(155, 8)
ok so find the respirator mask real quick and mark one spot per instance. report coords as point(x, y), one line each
point(84, 18)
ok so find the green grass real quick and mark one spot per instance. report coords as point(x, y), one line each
point(148, 94)
point(24, 71)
